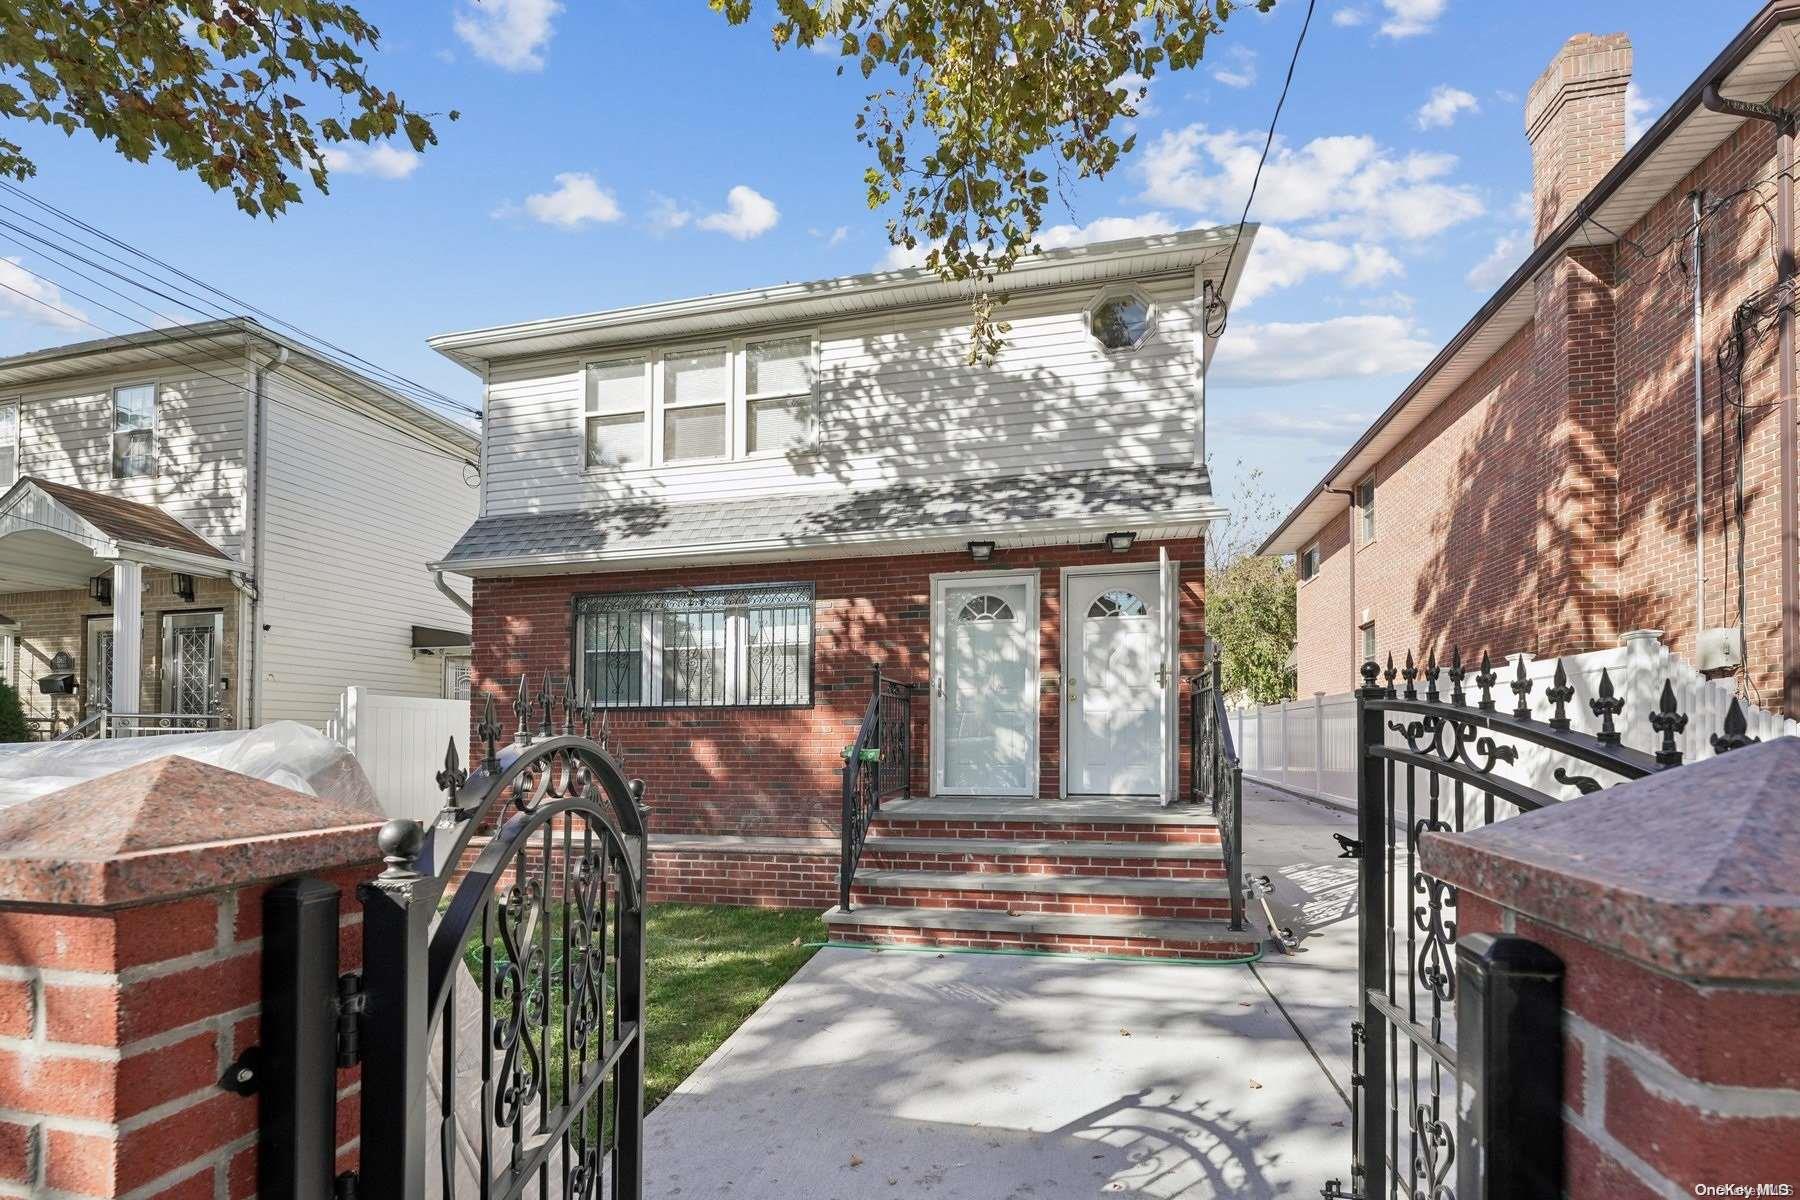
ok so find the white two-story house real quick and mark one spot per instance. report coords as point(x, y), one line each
point(211, 525)
point(716, 517)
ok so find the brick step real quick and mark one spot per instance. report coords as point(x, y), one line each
point(1142, 937)
point(1127, 860)
point(906, 825)
point(1016, 893)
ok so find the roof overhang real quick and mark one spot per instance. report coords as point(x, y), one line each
point(1061, 531)
point(48, 545)
point(1201, 250)
point(191, 346)
point(1761, 60)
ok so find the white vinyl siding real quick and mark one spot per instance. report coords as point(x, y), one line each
point(65, 435)
point(894, 400)
point(355, 507)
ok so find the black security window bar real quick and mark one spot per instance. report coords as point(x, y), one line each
point(728, 647)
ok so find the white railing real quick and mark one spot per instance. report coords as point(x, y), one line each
point(399, 741)
point(1309, 746)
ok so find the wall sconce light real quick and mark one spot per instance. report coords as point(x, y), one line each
point(981, 551)
point(183, 586)
point(1119, 543)
point(100, 589)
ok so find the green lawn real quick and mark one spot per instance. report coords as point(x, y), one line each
point(710, 967)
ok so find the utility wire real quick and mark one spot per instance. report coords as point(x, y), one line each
point(324, 347)
point(1268, 141)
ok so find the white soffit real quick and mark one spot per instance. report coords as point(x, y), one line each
point(1763, 72)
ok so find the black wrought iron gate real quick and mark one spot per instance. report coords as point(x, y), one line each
point(501, 1037)
point(1432, 762)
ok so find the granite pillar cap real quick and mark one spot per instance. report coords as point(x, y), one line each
point(1694, 872)
point(172, 827)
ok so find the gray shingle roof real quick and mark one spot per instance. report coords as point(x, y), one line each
point(622, 527)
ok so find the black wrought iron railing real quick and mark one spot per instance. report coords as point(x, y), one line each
point(877, 766)
point(1217, 777)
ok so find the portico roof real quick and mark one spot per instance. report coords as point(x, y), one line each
point(54, 536)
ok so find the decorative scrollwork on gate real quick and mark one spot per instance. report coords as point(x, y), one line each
point(1437, 956)
point(1434, 1153)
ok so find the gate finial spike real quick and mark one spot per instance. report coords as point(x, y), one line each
point(1521, 687)
point(1559, 693)
point(1390, 673)
point(1431, 677)
point(489, 731)
point(1737, 731)
point(1409, 673)
point(522, 706)
point(568, 705)
point(452, 777)
point(1456, 677)
point(1485, 678)
point(1606, 706)
point(1668, 720)
point(546, 726)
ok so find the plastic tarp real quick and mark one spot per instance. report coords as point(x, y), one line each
point(285, 753)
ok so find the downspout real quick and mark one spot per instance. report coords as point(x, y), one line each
point(1783, 120)
point(1350, 550)
point(1699, 201)
point(437, 577)
point(259, 480)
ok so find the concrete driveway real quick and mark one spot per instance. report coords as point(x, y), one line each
point(893, 1073)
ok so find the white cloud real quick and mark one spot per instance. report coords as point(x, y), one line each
point(1105, 229)
point(1508, 252)
point(748, 214)
point(1444, 106)
point(1640, 112)
point(1409, 18)
point(1133, 83)
point(836, 237)
point(25, 296)
point(667, 214)
point(1372, 264)
point(1308, 352)
point(900, 258)
point(1329, 427)
point(1340, 186)
point(1239, 68)
point(577, 201)
point(511, 34)
point(383, 160)
point(1278, 259)
point(1350, 16)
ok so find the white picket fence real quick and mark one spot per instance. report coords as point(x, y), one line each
point(399, 741)
point(1309, 746)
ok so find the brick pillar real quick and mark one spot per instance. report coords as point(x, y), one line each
point(130, 938)
point(1574, 395)
point(1674, 904)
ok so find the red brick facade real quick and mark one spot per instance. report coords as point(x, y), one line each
point(1548, 503)
point(776, 772)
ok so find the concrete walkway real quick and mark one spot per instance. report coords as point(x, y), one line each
point(891, 1073)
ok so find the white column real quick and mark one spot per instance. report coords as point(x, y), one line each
point(128, 635)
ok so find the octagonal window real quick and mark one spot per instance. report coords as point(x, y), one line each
point(1121, 322)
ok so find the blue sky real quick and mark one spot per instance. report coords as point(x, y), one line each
point(626, 151)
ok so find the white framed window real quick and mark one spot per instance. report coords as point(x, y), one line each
point(696, 404)
point(1365, 503)
point(9, 442)
point(616, 419)
point(1121, 319)
point(722, 647)
point(1309, 562)
point(778, 394)
point(740, 399)
point(1368, 642)
point(134, 431)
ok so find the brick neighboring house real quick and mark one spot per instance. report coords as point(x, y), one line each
point(1535, 487)
point(718, 516)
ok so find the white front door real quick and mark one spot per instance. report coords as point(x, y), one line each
point(1117, 679)
point(985, 684)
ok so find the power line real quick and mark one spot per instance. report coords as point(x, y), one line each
point(324, 347)
point(1268, 141)
point(418, 445)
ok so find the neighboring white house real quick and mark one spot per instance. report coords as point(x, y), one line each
point(214, 522)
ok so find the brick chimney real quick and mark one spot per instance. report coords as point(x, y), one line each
point(1575, 118)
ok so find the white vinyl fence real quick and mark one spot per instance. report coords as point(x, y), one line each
point(1309, 746)
point(399, 741)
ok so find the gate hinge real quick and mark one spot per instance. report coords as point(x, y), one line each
point(1348, 847)
point(1335, 1191)
point(344, 1186)
point(351, 1002)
